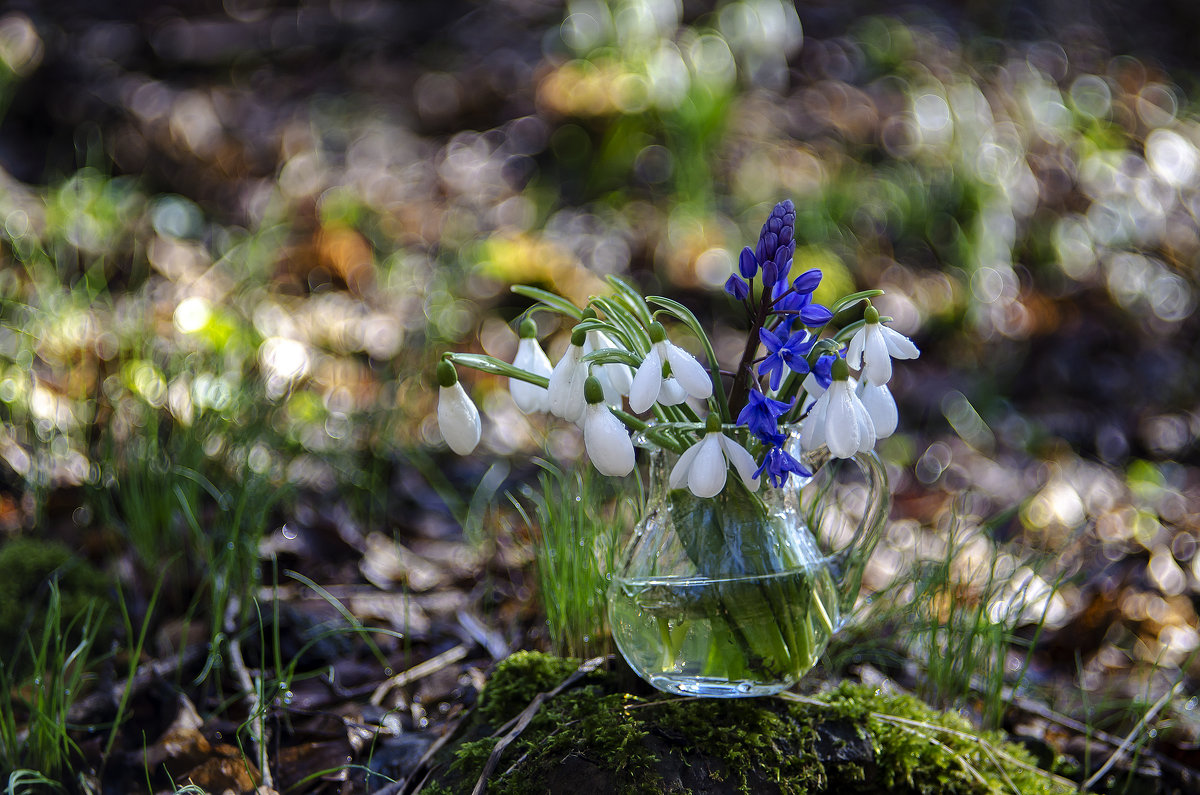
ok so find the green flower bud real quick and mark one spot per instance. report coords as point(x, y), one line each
point(528, 328)
point(657, 332)
point(840, 370)
point(871, 315)
point(446, 374)
point(578, 336)
point(592, 391)
point(712, 423)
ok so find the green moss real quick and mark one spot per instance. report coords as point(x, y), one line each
point(751, 739)
point(518, 679)
point(920, 750)
point(26, 566)
point(626, 743)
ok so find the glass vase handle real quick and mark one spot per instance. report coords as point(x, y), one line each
point(872, 498)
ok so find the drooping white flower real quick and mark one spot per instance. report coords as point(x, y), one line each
point(615, 378)
point(530, 357)
point(881, 406)
point(566, 381)
point(704, 466)
point(604, 436)
point(873, 347)
point(647, 388)
point(458, 419)
point(839, 420)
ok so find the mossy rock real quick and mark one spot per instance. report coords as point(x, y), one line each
point(605, 733)
point(27, 566)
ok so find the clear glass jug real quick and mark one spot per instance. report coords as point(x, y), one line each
point(735, 595)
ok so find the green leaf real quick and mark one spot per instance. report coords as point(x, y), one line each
point(551, 300)
point(619, 315)
point(630, 298)
point(612, 329)
point(490, 364)
point(847, 301)
point(612, 356)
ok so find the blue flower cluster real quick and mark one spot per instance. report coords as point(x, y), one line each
point(782, 313)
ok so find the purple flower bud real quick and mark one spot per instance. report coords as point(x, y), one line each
point(770, 273)
point(815, 315)
point(785, 234)
point(808, 281)
point(737, 287)
point(748, 264)
point(783, 263)
point(770, 243)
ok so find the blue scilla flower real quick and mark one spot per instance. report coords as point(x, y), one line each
point(797, 304)
point(737, 287)
point(784, 352)
point(761, 415)
point(778, 464)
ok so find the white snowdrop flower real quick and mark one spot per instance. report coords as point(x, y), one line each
point(873, 347)
point(458, 419)
point(530, 398)
point(604, 436)
point(647, 385)
point(704, 466)
point(881, 406)
point(616, 378)
point(566, 381)
point(839, 420)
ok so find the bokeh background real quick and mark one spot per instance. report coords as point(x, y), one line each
point(237, 235)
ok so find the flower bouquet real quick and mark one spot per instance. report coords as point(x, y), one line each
point(722, 588)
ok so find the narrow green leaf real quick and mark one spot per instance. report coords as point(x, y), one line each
point(631, 299)
point(619, 315)
point(607, 327)
point(552, 300)
point(612, 356)
point(492, 365)
point(847, 301)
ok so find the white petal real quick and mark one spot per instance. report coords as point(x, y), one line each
point(742, 461)
point(877, 362)
point(855, 351)
point(531, 358)
point(812, 387)
point(866, 426)
point(671, 394)
point(842, 433)
point(458, 419)
point(898, 345)
point(679, 472)
point(566, 385)
point(881, 406)
point(607, 441)
point(646, 383)
point(812, 432)
point(690, 373)
point(616, 379)
point(706, 476)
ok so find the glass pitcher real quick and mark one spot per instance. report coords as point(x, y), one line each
point(738, 595)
